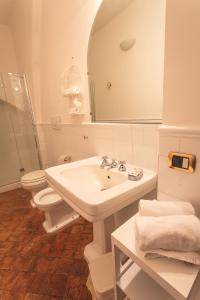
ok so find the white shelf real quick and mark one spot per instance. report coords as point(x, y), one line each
point(176, 277)
point(76, 113)
point(73, 91)
point(136, 284)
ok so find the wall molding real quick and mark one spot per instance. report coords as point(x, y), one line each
point(10, 187)
point(180, 131)
point(96, 124)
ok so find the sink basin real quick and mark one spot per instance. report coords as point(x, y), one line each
point(97, 193)
point(92, 178)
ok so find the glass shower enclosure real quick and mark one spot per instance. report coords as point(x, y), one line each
point(19, 152)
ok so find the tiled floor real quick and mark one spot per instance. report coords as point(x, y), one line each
point(35, 265)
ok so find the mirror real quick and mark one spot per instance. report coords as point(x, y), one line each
point(126, 61)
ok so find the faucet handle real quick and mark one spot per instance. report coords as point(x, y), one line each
point(114, 163)
point(122, 167)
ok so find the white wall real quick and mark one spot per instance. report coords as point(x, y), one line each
point(181, 101)
point(25, 27)
point(64, 34)
point(21, 26)
point(8, 61)
point(182, 63)
point(175, 184)
point(136, 75)
point(137, 144)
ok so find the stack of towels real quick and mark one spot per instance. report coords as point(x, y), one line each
point(168, 229)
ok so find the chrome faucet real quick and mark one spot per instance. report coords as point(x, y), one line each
point(113, 164)
point(107, 164)
point(122, 165)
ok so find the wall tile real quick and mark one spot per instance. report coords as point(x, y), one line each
point(145, 145)
point(136, 144)
point(103, 146)
point(190, 145)
point(122, 143)
point(178, 184)
point(42, 145)
point(168, 143)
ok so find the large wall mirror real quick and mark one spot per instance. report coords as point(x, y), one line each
point(126, 61)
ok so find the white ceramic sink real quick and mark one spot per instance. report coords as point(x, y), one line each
point(98, 193)
point(92, 178)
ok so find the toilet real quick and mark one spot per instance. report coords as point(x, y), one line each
point(34, 181)
point(57, 212)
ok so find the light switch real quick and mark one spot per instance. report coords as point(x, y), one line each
point(185, 163)
point(182, 161)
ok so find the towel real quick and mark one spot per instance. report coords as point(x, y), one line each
point(177, 232)
point(157, 208)
point(189, 257)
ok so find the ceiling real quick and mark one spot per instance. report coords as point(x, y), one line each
point(5, 10)
point(108, 10)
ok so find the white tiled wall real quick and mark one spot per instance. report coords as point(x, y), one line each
point(174, 183)
point(42, 145)
point(138, 144)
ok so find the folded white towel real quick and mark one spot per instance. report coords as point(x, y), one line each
point(190, 257)
point(177, 232)
point(157, 208)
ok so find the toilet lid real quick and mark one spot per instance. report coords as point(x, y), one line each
point(47, 197)
point(34, 176)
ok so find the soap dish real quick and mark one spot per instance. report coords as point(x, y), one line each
point(135, 174)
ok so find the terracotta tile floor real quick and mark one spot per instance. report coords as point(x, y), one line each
point(35, 265)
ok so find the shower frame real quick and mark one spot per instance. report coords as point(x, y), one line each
point(16, 184)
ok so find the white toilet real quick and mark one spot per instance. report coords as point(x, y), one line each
point(57, 212)
point(34, 181)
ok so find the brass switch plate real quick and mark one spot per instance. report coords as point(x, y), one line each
point(182, 161)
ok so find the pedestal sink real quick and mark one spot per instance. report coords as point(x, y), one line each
point(98, 194)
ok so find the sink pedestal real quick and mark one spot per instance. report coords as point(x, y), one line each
point(102, 232)
point(101, 239)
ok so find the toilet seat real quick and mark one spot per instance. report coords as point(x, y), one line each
point(47, 198)
point(34, 181)
point(33, 177)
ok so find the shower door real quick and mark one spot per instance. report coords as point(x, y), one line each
point(18, 145)
point(9, 159)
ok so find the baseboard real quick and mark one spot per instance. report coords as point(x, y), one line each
point(10, 187)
